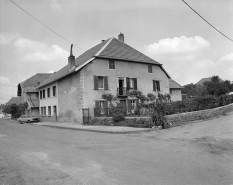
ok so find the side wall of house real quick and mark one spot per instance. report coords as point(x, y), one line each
point(100, 67)
point(71, 98)
point(176, 95)
point(47, 102)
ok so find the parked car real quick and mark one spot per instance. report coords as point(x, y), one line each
point(28, 119)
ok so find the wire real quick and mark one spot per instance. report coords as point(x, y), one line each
point(45, 25)
point(207, 21)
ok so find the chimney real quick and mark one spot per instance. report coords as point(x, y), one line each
point(121, 37)
point(71, 60)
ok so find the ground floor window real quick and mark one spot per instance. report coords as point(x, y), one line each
point(49, 110)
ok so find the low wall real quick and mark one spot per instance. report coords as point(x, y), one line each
point(181, 118)
point(177, 119)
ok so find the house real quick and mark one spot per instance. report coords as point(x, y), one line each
point(175, 90)
point(28, 93)
point(208, 79)
point(16, 100)
point(111, 66)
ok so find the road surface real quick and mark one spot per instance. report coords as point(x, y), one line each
point(198, 153)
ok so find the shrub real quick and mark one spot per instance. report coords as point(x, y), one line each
point(118, 117)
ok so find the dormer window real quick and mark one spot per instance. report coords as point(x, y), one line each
point(111, 64)
point(150, 69)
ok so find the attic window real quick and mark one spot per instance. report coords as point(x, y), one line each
point(150, 69)
point(111, 64)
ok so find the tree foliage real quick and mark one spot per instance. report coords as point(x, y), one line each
point(15, 110)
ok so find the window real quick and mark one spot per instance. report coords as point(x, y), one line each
point(111, 64)
point(44, 93)
point(156, 85)
point(150, 69)
point(49, 110)
point(100, 82)
point(170, 91)
point(44, 110)
point(40, 94)
point(131, 83)
point(54, 90)
point(48, 92)
point(101, 106)
point(41, 111)
point(133, 103)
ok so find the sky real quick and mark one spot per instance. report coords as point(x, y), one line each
point(168, 31)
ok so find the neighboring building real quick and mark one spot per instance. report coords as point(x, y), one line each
point(109, 67)
point(175, 90)
point(28, 93)
point(16, 100)
point(203, 80)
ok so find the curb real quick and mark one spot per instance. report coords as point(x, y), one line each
point(101, 131)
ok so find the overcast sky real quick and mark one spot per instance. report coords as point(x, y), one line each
point(166, 30)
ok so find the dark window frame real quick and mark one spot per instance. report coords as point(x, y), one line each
point(97, 84)
point(54, 90)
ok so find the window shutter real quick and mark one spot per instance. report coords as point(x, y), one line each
point(97, 105)
point(135, 84)
point(154, 85)
point(127, 83)
point(158, 85)
point(105, 82)
point(96, 83)
point(129, 105)
point(137, 102)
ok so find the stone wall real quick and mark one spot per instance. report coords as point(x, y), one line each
point(182, 118)
point(177, 119)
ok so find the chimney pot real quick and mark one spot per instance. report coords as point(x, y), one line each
point(121, 37)
point(103, 40)
point(71, 60)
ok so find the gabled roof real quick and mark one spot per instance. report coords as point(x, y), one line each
point(203, 80)
point(174, 85)
point(17, 100)
point(110, 49)
point(30, 84)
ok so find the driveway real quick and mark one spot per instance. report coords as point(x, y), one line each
point(198, 153)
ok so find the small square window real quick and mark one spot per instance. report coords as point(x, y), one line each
point(150, 69)
point(111, 64)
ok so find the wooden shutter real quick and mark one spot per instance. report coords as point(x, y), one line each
point(127, 83)
point(137, 102)
point(154, 85)
point(97, 105)
point(105, 82)
point(135, 84)
point(129, 105)
point(158, 85)
point(105, 108)
point(96, 86)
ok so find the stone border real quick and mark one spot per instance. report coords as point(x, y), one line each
point(177, 119)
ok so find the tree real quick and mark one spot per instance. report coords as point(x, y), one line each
point(215, 79)
point(15, 110)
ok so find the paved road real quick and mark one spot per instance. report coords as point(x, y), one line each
point(199, 153)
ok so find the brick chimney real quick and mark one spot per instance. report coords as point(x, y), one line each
point(121, 37)
point(71, 60)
